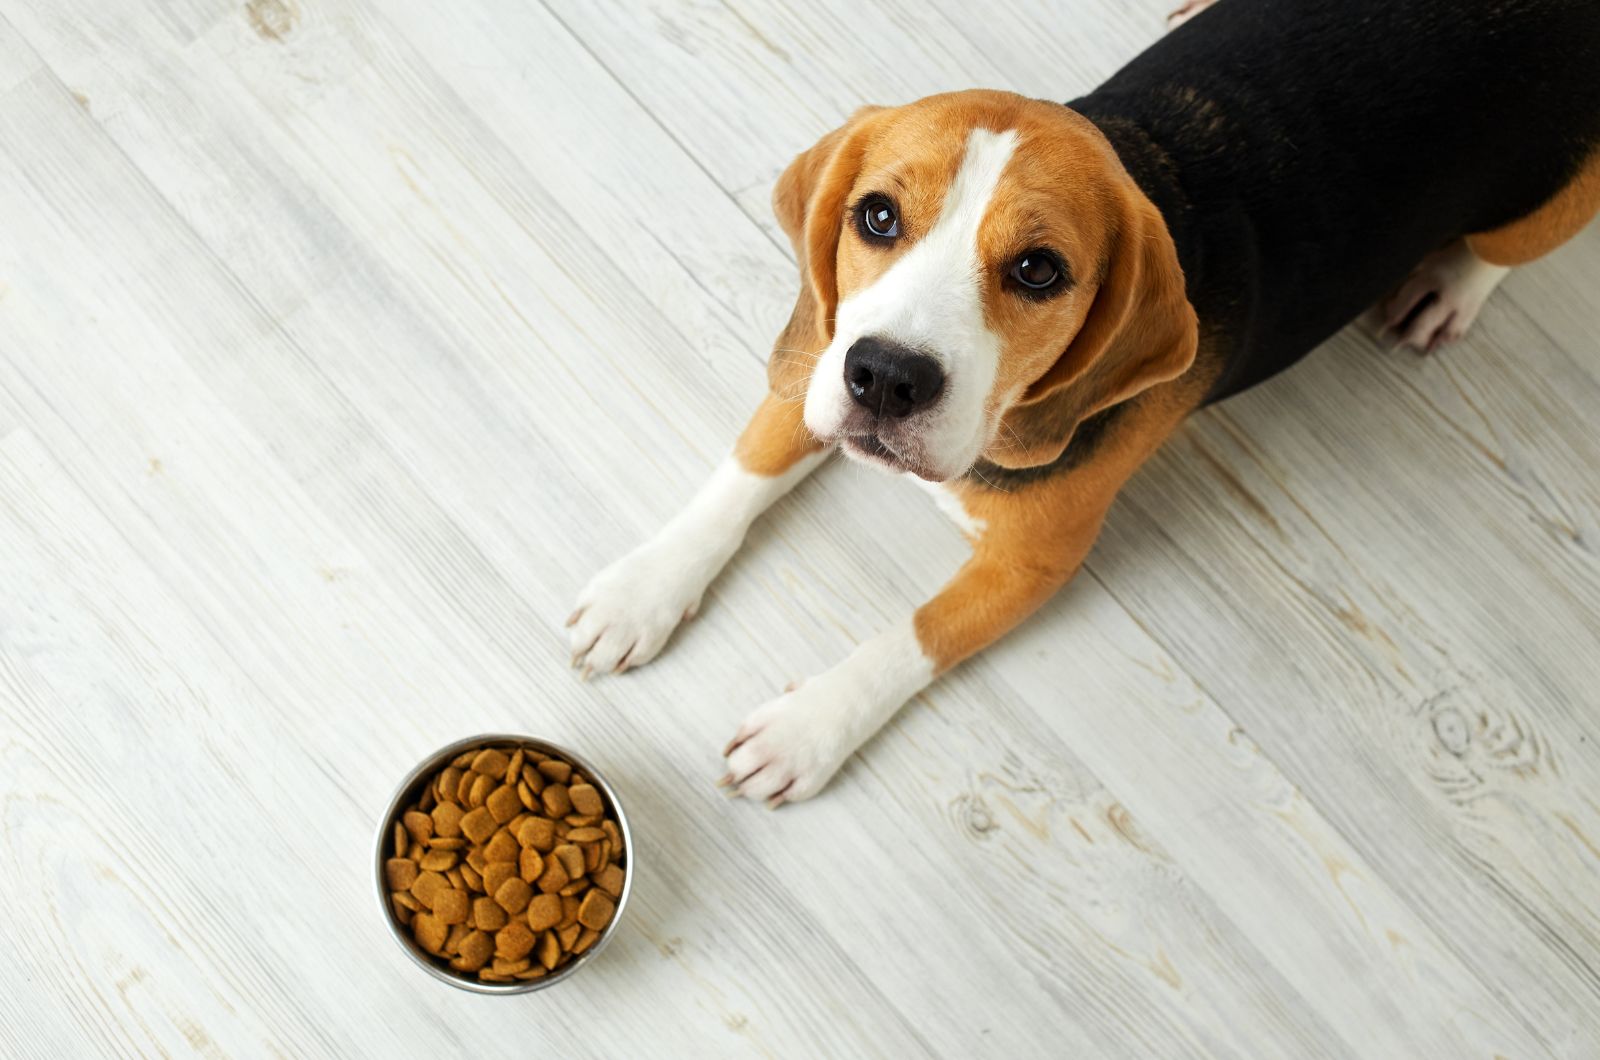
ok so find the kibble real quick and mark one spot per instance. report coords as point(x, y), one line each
point(595, 911)
point(419, 824)
point(549, 950)
point(427, 886)
point(514, 941)
point(556, 799)
point(430, 932)
point(451, 906)
point(544, 912)
point(571, 859)
point(447, 819)
point(554, 877)
point(478, 825)
point(503, 803)
point(539, 833)
point(401, 873)
point(501, 847)
point(506, 867)
point(438, 860)
point(609, 880)
point(513, 895)
point(476, 949)
point(585, 799)
point(489, 915)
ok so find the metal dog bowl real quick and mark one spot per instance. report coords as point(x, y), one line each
point(410, 790)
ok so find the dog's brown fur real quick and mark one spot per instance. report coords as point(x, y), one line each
point(1546, 228)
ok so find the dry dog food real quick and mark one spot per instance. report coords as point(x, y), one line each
point(508, 866)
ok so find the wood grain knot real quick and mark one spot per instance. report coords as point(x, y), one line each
point(272, 19)
point(1123, 824)
point(1477, 750)
point(1452, 731)
point(973, 816)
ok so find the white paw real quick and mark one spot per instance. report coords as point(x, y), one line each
point(628, 611)
point(788, 749)
point(1441, 299)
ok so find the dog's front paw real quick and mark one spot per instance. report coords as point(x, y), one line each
point(788, 749)
point(628, 611)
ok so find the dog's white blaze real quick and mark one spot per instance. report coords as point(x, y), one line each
point(952, 507)
point(931, 299)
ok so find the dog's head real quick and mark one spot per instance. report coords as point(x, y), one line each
point(978, 275)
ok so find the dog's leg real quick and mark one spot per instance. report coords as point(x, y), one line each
point(787, 749)
point(1442, 298)
point(1026, 545)
point(627, 611)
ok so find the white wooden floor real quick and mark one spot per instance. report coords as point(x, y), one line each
point(341, 340)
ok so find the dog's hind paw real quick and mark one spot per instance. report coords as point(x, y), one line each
point(1441, 299)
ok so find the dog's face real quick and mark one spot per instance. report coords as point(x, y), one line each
point(978, 274)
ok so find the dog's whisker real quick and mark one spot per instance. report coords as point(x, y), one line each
point(986, 481)
point(788, 358)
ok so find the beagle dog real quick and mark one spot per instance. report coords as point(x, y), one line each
point(1016, 301)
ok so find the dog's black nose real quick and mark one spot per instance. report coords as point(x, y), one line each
point(888, 379)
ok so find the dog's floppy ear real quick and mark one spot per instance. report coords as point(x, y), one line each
point(1140, 330)
point(809, 201)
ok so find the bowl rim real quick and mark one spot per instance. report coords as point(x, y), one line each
point(431, 763)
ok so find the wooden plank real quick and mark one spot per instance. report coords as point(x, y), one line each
point(1519, 395)
point(1370, 562)
point(1033, 62)
point(1198, 782)
point(1556, 294)
point(140, 927)
point(18, 62)
point(284, 437)
point(370, 674)
point(321, 360)
point(801, 69)
point(265, 411)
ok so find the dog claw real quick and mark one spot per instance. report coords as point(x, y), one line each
point(635, 604)
point(1440, 300)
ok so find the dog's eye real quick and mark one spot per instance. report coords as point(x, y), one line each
point(878, 220)
point(1037, 271)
